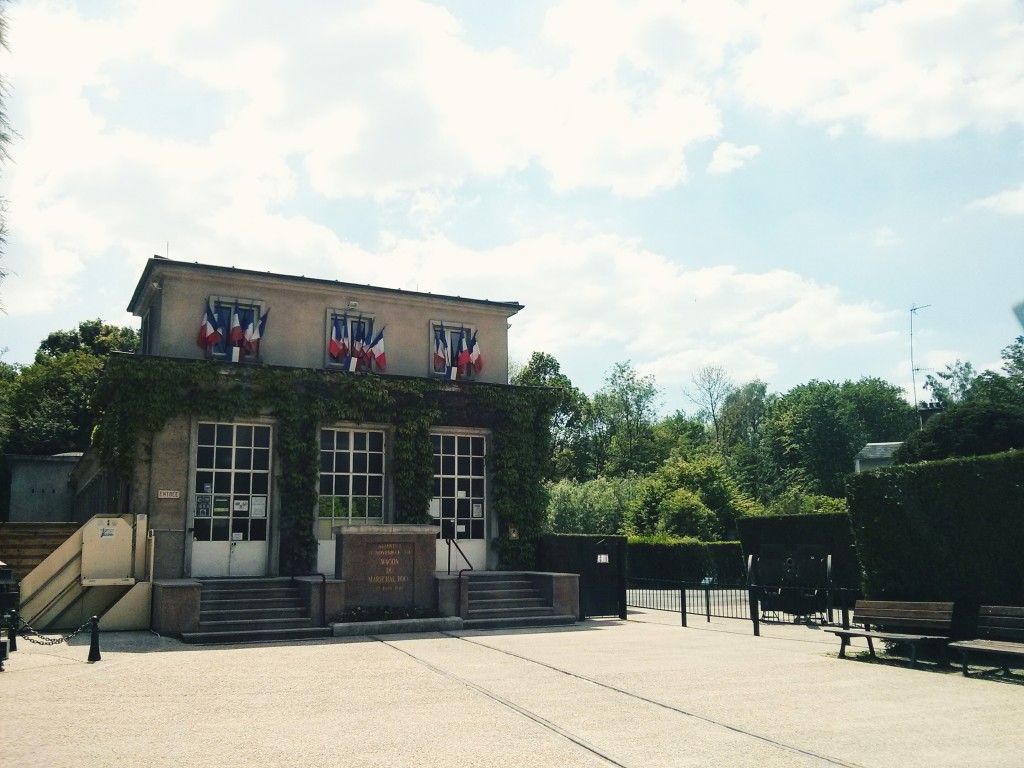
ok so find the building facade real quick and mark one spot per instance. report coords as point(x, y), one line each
point(266, 411)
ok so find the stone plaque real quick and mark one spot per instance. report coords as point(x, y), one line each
point(387, 565)
point(389, 571)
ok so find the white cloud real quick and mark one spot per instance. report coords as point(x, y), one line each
point(1009, 202)
point(728, 157)
point(605, 297)
point(906, 70)
point(886, 237)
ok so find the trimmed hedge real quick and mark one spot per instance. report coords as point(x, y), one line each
point(949, 530)
point(685, 560)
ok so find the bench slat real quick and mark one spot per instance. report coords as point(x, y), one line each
point(1002, 610)
point(990, 646)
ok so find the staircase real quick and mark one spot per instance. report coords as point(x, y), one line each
point(507, 600)
point(23, 546)
point(246, 610)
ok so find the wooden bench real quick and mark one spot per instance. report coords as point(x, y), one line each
point(1000, 633)
point(900, 622)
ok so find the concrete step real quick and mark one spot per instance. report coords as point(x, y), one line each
point(488, 585)
point(251, 614)
point(246, 625)
point(204, 637)
point(506, 602)
point(222, 595)
point(255, 603)
point(554, 620)
point(492, 594)
point(489, 613)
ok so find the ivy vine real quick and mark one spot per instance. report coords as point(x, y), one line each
point(137, 396)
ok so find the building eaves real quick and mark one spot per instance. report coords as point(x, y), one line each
point(162, 263)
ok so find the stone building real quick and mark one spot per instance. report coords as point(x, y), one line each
point(211, 485)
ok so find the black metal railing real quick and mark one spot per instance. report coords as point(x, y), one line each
point(756, 604)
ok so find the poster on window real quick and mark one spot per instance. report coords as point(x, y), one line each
point(203, 506)
point(478, 510)
point(259, 506)
point(240, 505)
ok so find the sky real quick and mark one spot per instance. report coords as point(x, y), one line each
point(769, 187)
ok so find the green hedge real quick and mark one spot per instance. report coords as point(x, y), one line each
point(949, 530)
point(685, 560)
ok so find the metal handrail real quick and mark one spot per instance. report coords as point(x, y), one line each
point(450, 543)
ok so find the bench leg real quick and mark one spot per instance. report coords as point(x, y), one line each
point(842, 647)
point(871, 646)
point(913, 654)
point(963, 661)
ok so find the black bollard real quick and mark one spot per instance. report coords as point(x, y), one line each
point(12, 631)
point(94, 641)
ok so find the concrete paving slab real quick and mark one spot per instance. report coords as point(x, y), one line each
point(641, 692)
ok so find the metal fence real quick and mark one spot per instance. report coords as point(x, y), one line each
point(755, 604)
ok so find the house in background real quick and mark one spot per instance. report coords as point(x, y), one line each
point(874, 456)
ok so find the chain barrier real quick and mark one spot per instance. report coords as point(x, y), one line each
point(30, 634)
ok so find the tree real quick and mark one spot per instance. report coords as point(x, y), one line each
point(594, 506)
point(813, 432)
point(952, 384)
point(679, 435)
point(988, 417)
point(742, 418)
point(684, 497)
point(712, 386)
point(46, 406)
point(93, 337)
point(569, 450)
point(1013, 361)
point(624, 413)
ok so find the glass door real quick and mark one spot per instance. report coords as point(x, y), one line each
point(231, 507)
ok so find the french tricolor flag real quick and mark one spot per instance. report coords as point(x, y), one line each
point(335, 345)
point(236, 334)
point(209, 334)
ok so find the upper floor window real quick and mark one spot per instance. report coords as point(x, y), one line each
point(353, 344)
point(455, 351)
point(231, 329)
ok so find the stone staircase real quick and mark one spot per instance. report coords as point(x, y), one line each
point(506, 600)
point(255, 609)
point(23, 546)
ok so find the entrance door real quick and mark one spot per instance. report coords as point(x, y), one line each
point(231, 509)
point(459, 503)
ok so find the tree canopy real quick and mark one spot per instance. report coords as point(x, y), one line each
point(46, 407)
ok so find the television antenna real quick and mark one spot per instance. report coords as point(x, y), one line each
point(914, 369)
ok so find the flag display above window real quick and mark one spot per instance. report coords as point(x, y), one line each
point(232, 329)
point(353, 346)
point(456, 352)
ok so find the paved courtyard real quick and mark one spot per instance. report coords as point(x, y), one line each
point(643, 692)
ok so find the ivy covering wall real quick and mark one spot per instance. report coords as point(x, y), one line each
point(138, 395)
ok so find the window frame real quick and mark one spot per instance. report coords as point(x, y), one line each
point(329, 362)
point(331, 477)
point(453, 476)
point(221, 350)
point(451, 327)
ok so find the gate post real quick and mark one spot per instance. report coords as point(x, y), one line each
point(682, 603)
